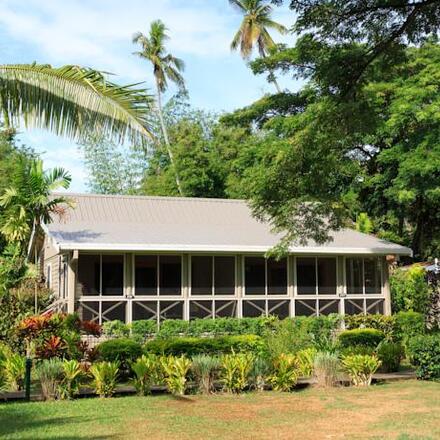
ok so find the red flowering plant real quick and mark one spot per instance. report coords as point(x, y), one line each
point(91, 328)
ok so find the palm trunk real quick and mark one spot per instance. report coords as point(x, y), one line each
point(275, 83)
point(167, 142)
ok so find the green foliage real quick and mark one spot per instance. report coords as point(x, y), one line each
point(364, 223)
point(50, 374)
point(142, 329)
point(305, 359)
point(261, 369)
point(191, 346)
point(326, 368)
point(386, 324)
point(123, 351)
point(115, 329)
point(285, 372)
point(146, 371)
point(176, 370)
point(408, 325)
point(409, 290)
point(236, 368)
point(205, 368)
point(105, 375)
point(360, 368)
point(14, 369)
point(424, 352)
point(390, 354)
point(72, 374)
point(368, 337)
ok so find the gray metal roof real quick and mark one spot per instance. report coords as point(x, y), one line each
point(125, 223)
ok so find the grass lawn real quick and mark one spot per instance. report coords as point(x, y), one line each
point(403, 410)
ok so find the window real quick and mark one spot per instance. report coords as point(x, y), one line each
point(89, 274)
point(170, 273)
point(112, 269)
point(49, 276)
point(145, 274)
point(201, 275)
point(224, 275)
point(265, 276)
point(363, 276)
point(316, 275)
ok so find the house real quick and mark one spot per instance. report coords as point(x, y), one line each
point(132, 257)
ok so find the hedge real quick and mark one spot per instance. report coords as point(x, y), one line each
point(123, 350)
point(191, 346)
point(368, 337)
point(424, 352)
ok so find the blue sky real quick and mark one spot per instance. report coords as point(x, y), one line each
point(97, 33)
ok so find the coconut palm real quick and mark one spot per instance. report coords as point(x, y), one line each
point(72, 101)
point(166, 68)
point(254, 30)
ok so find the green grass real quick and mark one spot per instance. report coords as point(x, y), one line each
point(403, 410)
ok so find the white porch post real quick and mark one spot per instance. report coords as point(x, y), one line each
point(185, 286)
point(72, 268)
point(386, 286)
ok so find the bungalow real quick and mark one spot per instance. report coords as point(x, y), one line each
point(132, 257)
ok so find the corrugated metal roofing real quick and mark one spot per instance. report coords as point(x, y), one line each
point(104, 222)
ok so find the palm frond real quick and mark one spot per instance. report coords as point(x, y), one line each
point(73, 100)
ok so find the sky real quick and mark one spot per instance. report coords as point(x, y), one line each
point(97, 33)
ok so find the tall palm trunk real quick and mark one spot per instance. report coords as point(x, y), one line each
point(166, 139)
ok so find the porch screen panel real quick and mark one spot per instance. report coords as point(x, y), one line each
point(255, 276)
point(201, 275)
point(327, 276)
point(372, 275)
point(224, 270)
point(306, 275)
point(112, 274)
point(277, 276)
point(354, 276)
point(146, 275)
point(170, 275)
point(88, 274)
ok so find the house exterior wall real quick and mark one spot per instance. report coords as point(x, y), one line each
point(128, 306)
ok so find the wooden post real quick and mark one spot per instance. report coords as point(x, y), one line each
point(386, 286)
point(72, 268)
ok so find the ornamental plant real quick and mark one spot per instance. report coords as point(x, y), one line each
point(146, 373)
point(14, 370)
point(71, 378)
point(305, 359)
point(326, 366)
point(368, 337)
point(236, 368)
point(360, 368)
point(105, 375)
point(285, 372)
point(175, 371)
point(50, 373)
point(205, 368)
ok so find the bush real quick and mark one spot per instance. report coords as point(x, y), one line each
point(105, 375)
point(192, 346)
point(385, 324)
point(142, 329)
point(326, 369)
point(50, 373)
point(124, 351)
point(424, 352)
point(115, 329)
point(305, 359)
point(390, 354)
point(71, 377)
point(285, 372)
point(368, 337)
point(236, 368)
point(408, 325)
point(360, 368)
point(261, 368)
point(14, 371)
point(176, 369)
point(146, 373)
point(205, 368)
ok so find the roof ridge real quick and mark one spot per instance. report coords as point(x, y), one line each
point(149, 197)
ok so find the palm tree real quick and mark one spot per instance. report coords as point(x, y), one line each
point(72, 101)
point(254, 30)
point(165, 67)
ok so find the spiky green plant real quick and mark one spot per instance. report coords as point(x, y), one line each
point(205, 368)
point(15, 368)
point(326, 367)
point(146, 373)
point(235, 371)
point(175, 370)
point(259, 373)
point(72, 101)
point(305, 359)
point(50, 373)
point(71, 378)
point(285, 372)
point(105, 376)
point(360, 368)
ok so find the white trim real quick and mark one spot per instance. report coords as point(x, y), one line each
point(49, 275)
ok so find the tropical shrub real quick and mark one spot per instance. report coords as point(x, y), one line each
point(124, 351)
point(105, 375)
point(285, 372)
point(236, 368)
point(3, 380)
point(50, 373)
point(305, 359)
point(115, 329)
point(142, 329)
point(205, 368)
point(175, 371)
point(385, 324)
point(326, 367)
point(261, 368)
point(146, 373)
point(71, 378)
point(360, 368)
point(14, 369)
point(424, 352)
point(358, 349)
point(368, 337)
point(192, 346)
point(408, 325)
point(390, 355)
